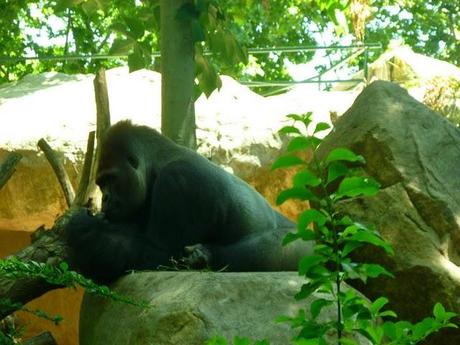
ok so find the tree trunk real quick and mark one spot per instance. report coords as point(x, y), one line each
point(178, 74)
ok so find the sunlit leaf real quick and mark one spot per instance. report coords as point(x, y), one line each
point(310, 216)
point(343, 154)
point(295, 193)
point(321, 126)
point(289, 130)
point(287, 162)
point(305, 178)
point(358, 186)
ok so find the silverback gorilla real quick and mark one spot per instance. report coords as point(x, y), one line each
point(162, 201)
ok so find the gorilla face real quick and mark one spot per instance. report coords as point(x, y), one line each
point(122, 179)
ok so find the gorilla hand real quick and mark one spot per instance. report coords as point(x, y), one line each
point(198, 256)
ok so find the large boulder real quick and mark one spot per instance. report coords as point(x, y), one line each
point(188, 308)
point(415, 154)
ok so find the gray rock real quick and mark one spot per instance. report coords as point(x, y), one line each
point(190, 307)
point(415, 154)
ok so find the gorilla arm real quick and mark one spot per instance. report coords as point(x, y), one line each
point(104, 251)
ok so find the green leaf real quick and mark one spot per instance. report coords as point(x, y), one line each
point(136, 27)
point(375, 334)
point(299, 144)
point(119, 28)
point(64, 266)
point(289, 130)
point(318, 305)
point(310, 216)
point(310, 261)
point(311, 330)
point(390, 330)
point(438, 311)
point(343, 154)
point(136, 60)
point(241, 341)
point(321, 126)
point(423, 328)
point(349, 247)
point(208, 79)
point(305, 235)
point(336, 170)
point(305, 118)
point(307, 289)
point(368, 237)
point(357, 186)
point(388, 313)
point(374, 270)
point(305, 178)
point(290, 237)
point(378, 304)
point(122, 46)
point(287, 162)
point(295, 193)
point(217, 340)
point(90, 8)
point(324, 250)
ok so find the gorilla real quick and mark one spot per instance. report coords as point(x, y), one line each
point(162, 201)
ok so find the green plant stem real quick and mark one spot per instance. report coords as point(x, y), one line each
point(330, 211)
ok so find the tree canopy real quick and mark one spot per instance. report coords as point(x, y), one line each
point(120, 31)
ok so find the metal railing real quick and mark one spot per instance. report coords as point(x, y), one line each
point(283, 85)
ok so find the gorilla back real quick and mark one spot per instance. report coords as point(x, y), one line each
point(162, 201)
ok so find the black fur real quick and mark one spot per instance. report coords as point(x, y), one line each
point(163, 201)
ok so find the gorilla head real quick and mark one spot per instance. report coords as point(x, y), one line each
point(123, 175)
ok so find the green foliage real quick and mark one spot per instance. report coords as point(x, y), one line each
point(430, 27)
point(210, 30)
point(13, 268)
point(132, 27)
point(326, 182)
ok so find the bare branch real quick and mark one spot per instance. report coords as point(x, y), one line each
point(7, 168)
point(83, 185)
point(59, 170)
point(101, 96)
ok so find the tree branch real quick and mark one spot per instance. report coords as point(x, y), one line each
point(59, 170)
point(101, 95)
point(8, 167)
point(83, 186)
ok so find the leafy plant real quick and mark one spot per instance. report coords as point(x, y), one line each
point(325, 183)
point(13, 268)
